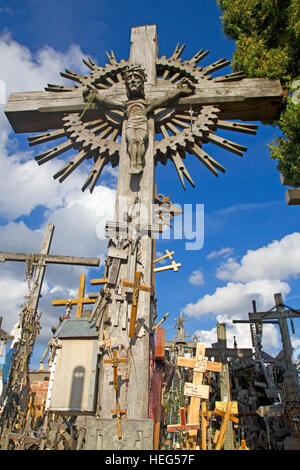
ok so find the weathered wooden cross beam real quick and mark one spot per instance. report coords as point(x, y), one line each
point(225, 420)
point(220, 408)
point(250, 99)
point(42, 259)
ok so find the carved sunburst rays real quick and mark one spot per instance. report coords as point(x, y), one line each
point(180, 131)
point(95, 139)
point(185, 131)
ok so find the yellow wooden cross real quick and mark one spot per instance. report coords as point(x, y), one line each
point(101, 280)
point(196, 390)
point(80, 301)
point(137, 286)
point(167, 255)
point(115, 361)
point(173, 266)
point(118, 412)
point(160, 322)
point(220, 409)
point(226, 417)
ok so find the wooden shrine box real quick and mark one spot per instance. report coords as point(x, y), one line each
point(74, 372)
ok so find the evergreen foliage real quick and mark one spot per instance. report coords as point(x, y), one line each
point(267, 36)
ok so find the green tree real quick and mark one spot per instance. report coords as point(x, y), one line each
point(267, 36)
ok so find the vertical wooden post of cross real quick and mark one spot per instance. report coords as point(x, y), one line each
point(193, 413)
point(204, 425)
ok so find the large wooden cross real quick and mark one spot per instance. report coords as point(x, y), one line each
point(42, 259)
point(57, 113)
point(197, 390)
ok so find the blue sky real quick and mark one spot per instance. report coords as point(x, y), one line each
point(251, 237)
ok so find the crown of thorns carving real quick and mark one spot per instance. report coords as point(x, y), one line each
point(135, 69)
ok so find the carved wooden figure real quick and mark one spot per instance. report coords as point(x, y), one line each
point(141, 100)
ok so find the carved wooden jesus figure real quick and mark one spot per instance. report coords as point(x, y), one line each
point(137, 109)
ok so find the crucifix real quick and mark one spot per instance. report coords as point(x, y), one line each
point(115, 361)
point(80, 301)
point(136, 286)
point(196, 390)
point(141, 100)
point(183, 427)
point(107, 343)
point(180, 328)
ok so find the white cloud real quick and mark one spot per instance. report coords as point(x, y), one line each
point(258, 276)
point(222, 252)
point(196, 278)
point(234, 299)
point(241, 333)
point(280, 259)
point(79, 218)
point(25, 71)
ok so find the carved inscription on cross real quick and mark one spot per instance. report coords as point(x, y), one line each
point(137, 286)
